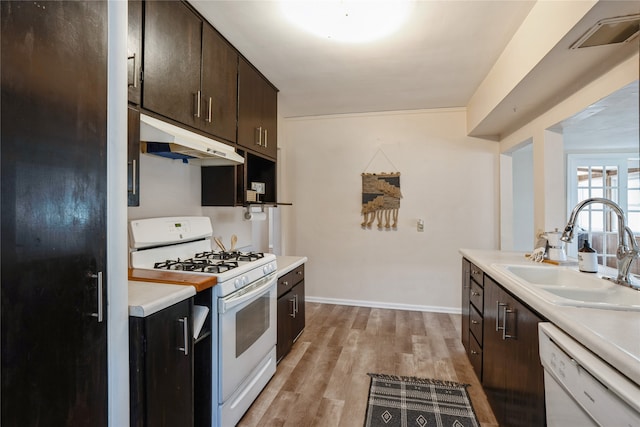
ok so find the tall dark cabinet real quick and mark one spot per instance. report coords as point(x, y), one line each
point(53, 213)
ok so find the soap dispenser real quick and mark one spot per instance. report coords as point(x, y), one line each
point(587, 259)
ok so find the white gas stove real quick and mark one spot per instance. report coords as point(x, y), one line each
point(243, 305)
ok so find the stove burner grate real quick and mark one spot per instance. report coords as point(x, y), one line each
point(234, 255)
point(197, 265)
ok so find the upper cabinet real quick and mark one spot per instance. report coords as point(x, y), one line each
point(134, 50)
point(189, 70)
point(257, 111)
point(219, 85)
point(172, 51)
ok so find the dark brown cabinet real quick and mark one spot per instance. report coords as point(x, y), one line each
point(133, 157)
point(219, 85)
point(228, 185)
point(172, 54)
point(291, 312)
point(472, 314)
point(53, 137)
point(189, 70)
point(161, 367)
point(134, 50)
point(257, 111)
point(513, 377)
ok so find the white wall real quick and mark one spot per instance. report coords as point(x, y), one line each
point(448, 179)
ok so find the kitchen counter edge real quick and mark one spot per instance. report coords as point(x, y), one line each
point(147, 298)
point(289, 263)
point(610, 334)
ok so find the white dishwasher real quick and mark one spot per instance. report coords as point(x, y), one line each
point(580, 389)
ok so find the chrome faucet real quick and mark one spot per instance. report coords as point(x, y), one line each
point(624, 254)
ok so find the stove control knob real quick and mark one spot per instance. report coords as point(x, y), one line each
point(245, 280)
point(237, 283)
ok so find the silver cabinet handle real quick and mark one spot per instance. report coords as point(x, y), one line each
point(265, 139)
point(475, 294)
point(185, 331)
point(285, 283)
point(135, 79)
point(293, 307)
point(100, 313)
point(210, 114)
point(475, 322)
point(498, 305)
point(133, 177)
point(299, 273)
point(259, 138)
point(506, 310)
point(475, 353)
point(198, 96)
point(296, 306)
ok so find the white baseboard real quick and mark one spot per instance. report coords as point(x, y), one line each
point(378, 304)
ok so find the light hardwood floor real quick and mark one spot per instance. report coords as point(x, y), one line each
point(324, 381)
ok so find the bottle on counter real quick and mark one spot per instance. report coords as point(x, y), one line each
point(587, 259)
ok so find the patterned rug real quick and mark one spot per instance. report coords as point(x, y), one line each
point(410, 401)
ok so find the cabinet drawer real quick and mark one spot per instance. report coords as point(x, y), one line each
point(475, 324)
point(476, 274)
point(475, 357)
point(289, 280)
point(476, 296)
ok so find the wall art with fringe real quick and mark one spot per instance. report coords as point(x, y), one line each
point(381, 200)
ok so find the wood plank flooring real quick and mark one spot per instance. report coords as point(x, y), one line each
point(324, 381)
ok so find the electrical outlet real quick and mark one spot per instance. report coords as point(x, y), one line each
point(258, 187)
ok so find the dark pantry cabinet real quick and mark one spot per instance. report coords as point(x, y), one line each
point(53, 213)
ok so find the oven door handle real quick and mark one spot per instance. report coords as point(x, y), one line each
point(247, 293)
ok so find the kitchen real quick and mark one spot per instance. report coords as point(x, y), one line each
point(433, 254)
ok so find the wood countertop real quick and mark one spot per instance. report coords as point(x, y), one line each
point(199, 281)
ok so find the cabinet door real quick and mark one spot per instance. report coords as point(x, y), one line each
point(512, 374)
point(134, 50)
point(169, 367)
point(219, 85)
point(285, 334)
point(133, 157)
point(172, 50)
point(269, 120)
point(250, 86)
point(298, 321)
point(466, 286)
point(53, 218)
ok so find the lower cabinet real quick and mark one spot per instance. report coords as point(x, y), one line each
point(500, 335)
point(291, 313)
point(161, 367)
point(513, 377)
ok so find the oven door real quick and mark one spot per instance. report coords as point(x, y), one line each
point(247, 332)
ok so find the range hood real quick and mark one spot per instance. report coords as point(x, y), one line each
point(167, 140)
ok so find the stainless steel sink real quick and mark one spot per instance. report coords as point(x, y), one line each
point(570, 287)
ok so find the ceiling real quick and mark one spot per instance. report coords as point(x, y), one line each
point(437, 59)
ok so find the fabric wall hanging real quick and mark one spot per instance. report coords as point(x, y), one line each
point(381, 199)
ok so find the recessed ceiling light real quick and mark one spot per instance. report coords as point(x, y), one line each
point(353, 21)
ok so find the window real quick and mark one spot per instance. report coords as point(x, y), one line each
point(612, 176)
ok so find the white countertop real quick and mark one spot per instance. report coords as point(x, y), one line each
point(146, 298)
point(289, 263)
point(613, 335)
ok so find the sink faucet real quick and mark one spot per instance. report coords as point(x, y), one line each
point(624, 254)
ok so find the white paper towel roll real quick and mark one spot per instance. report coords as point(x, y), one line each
point(255, 216)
